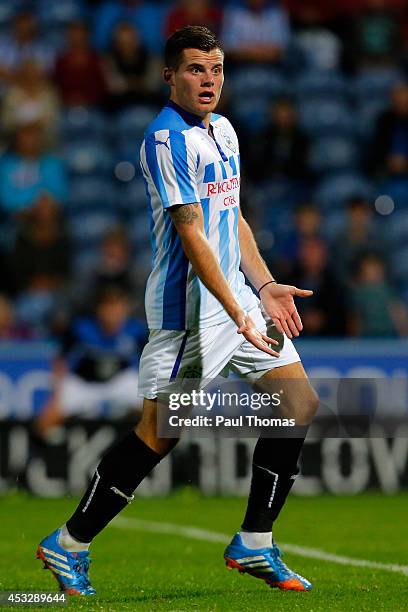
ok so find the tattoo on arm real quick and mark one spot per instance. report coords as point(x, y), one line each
point(185, 214)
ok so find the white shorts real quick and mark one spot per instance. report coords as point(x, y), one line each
point(79, 397)
point(207, 353)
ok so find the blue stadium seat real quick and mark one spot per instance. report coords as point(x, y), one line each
point(330, 153)
point(397, 189)
point(88, 228)
point(140, 232)
point(327, 117)
point(321, 85)
point(132, 122)
point(128, 149)
point(396, 228)
point(375, 83)
point(336, 189)
point(251, 112)
point(368, 113)
point(90, 193)
point(88, 159)
point(80, 123)
point(7, 11)
point(399, 264)
point(133, 197)
point(263, 82)
point(60, 12)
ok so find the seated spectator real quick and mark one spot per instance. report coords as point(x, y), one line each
point(323, 314)
point(97, 362)
point(10, 328)
point(23, 44)
point(199, 12)
point(359, 234)
point(41, 255)
point(127, 69)
point(256, 33)
point(31, 98)
point(26, 172)
point(377, 310)
point(307, 223)
point(114, 267)
point(389, 146)
point(147, 17)
point(281, 149)
point(79, 74)
point(378, 33)
point(40, 262)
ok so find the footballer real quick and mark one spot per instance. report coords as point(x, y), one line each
point(202, 315)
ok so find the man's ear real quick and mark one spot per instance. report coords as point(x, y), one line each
point(168, 76)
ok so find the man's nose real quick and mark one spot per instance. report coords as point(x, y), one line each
point(208, 79)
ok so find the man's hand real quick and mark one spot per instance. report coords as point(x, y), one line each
point(279, 304)
point(247, 328)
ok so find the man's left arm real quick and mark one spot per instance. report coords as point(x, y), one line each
point(276, 299)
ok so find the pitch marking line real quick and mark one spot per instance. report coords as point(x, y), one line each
point(196, 533)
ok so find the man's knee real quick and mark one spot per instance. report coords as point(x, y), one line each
point(307, 407)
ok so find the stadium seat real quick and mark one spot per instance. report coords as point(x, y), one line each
point(88, 228)
point(90, 193)
point(80, 123)
point(263, 82)
point(321, 85)
point(368, 113)
point(327, 117)
point(7, 11)
point(330, 153)
point(334, 190)
point(88, 159)
point(59, 13)
point(133, 197)
point(399, 264)
point(132, 122)
point(397, 189)
point(375, 84)
point(251, 112)
point(396, 228)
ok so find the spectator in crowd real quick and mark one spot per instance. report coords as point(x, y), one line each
point(307, 223)
point(389, 146)
point(27, 172)
point(127, 69)
point(31, 98)
point(147, 17)
point(23, 44)
point(79, 73)
point(40, 263)
point(359, 234)
point(281, 150)
point(114, 267)
point(256, 33)
point(378, 34)
point(325, 312)
point(97, 362)
point(10, 328)
point(376, 309)
point(199, 12)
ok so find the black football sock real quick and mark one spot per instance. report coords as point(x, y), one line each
point(118, 474)
point(274, 468)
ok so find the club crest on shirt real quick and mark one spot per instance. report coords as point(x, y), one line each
point(228, 141)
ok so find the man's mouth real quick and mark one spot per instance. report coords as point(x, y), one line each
point(206, 96)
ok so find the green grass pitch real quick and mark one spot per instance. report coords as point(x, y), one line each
point(138, 570)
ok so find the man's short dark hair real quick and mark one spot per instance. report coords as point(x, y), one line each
point(190, 37)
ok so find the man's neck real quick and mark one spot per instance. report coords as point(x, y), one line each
point(204, 120)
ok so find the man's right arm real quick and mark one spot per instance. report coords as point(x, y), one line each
point(189, 223)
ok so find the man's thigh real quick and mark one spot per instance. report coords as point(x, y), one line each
point(298, 398)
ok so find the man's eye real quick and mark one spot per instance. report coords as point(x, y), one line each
point(195, 70)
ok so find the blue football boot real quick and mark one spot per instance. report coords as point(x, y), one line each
point(264, 563)
point(70, 569)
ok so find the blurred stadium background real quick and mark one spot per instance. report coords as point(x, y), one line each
point(318, 94)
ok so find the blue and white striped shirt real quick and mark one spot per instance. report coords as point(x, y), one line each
point(181, 164)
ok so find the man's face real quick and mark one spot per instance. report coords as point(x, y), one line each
point(197, 83)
